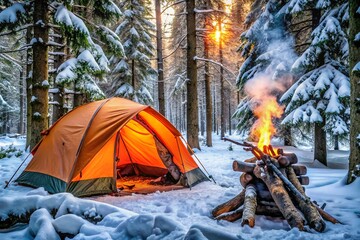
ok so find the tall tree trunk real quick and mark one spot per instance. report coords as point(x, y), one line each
point(160, 65)
point(58, 107)
point(28, 87)
point(354, 160)
point(133, 80)
point(40, 84)
point(336, 142)
point(288, 141)
point(214, 107)
point(320, 143)
point(320, 134)
point(21, 100)
point(229, 113)
point(192, 116)
point(209, 117)
point(222, 89)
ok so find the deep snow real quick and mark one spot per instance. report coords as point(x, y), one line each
point(182, 213)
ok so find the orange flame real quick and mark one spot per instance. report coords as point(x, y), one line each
point(263, 128)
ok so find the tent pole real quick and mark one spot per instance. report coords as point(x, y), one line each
point(193, 153)
point(132, 164)
point(7, 184)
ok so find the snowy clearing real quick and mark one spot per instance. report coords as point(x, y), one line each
point(180, 214)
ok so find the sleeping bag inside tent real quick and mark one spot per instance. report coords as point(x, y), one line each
point(108, 145)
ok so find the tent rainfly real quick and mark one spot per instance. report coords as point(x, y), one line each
point(84, 151)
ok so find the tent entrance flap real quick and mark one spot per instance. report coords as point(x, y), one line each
point(164, 153)
point(140, 152)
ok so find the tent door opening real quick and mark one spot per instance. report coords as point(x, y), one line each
point(143, 163)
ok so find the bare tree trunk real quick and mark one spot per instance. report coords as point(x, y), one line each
point(336, 142)
point(21, 100)
point(354, 160)
point(320, 134)
point(133, 80)
point(161, 92)
point(209, 117)
point(28, 87)
point(40, 84)
point(222, 89)
point(191, 69)
point(229, 113)
point(58, 108)
point(320, 143)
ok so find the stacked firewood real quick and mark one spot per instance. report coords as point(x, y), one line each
point(272, 185)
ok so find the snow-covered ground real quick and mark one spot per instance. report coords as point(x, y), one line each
point(182, 213)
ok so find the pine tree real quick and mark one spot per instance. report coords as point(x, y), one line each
point(42, 16)
point(133, 73)
point(267, 49)
point(321, 95)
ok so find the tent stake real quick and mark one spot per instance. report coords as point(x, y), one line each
point(7, 184)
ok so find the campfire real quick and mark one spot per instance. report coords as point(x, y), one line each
point(272, 185)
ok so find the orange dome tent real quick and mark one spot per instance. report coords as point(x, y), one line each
point(90, 147)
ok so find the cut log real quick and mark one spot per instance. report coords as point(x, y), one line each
point(290, 156)
point(245, 178)
point(304, 180)
point(230, 205)
point(327, 216)
point(280, 196)
point(243, 166)
point(299, 169)
point(251, 160)
point(260, 210)
point(250, 204)
point(283, 161)
point(309, 210)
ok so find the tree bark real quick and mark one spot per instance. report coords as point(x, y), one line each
point(280, 196)
point(28, 87)
point(245, 179)
point(192, 131)
point(320, 134)
point(250, 204)
point(208, 98)
point(222, 89)
point(309, 210)
point(160, 65)
point(230, 205)
point(58, 109)
point(260, 210)
point(320, 143)
point(243, 166)
point(354, 58)
point(21, 100)
point(336, 142)
point(40, 86)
